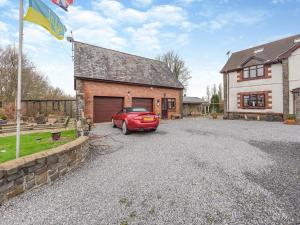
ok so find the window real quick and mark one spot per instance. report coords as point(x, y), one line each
point(246, 73)
point(254, 101)
point(1, 104)
point(171, 103)
point(253, 72)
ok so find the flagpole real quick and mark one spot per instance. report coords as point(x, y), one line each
point(19, 96)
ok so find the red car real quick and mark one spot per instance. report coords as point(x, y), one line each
point(135, 119)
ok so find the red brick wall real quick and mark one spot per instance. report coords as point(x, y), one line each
point(92, 89)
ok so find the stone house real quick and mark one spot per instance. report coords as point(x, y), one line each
point(264, 81)
point(194, 106)
point(108, 80)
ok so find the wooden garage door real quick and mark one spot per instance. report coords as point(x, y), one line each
point(146, 103)
point(106, 107)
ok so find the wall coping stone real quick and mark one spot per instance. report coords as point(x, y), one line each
point(21, 162)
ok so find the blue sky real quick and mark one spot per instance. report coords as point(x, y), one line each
point(201, 31)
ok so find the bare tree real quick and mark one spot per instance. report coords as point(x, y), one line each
point(214, 89)
point(34, 84)
point(178, 67)
point(208, 93)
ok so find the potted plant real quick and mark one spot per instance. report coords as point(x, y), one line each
point(214, 115)
point(290, 119)
point(3, 119)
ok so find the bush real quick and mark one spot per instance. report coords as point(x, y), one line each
point(290, 117)
point(215, 103)
point(3, 117)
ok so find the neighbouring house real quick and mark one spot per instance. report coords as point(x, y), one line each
point(264, 81)
point(194, 106)
point(108, 80)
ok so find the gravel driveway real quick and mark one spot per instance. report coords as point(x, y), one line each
point(192, 171)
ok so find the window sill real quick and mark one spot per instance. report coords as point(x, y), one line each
point(262, 108)
point(256, 78)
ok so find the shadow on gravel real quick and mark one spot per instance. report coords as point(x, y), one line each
point(147, 133)
point(199, 132)
point(98, 145)
point(282, 179)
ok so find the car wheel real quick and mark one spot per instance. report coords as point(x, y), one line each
point(113, 123)
point(125, 129)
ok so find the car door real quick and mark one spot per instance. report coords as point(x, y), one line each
point(119, 118)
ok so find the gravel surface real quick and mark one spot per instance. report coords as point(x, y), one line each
point(192, 171)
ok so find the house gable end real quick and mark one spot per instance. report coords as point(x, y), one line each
point(252, 61)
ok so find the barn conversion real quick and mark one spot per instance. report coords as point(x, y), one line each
point(108, 80)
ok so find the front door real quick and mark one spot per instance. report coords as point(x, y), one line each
point(164, 108)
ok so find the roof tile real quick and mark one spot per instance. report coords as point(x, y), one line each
point(92, 62)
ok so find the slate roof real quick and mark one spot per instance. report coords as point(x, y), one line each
point(193, 100)
point(92, 62)
point(272, 52)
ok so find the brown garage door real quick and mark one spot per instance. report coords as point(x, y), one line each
point(106, 107)
point(146, 103)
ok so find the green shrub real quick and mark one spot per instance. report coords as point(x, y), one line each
point(3, 117)
point(290, 117)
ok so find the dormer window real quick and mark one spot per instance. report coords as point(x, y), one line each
point(253, 72)
point(296, 41)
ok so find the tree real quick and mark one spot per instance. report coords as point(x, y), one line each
point(215, 103)
point(208, 94)
point(220, 92)
point(177, 66)
point(214, 89)
point(34, 84)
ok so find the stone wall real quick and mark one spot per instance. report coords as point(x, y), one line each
point(23, 174)
point(255, 116)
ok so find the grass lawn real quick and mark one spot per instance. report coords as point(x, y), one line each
point(32, 143)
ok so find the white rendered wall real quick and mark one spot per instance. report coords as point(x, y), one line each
point(273, 84)
point(294, 75)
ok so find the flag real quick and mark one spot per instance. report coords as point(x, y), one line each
point(39, 13)
point(64, 4)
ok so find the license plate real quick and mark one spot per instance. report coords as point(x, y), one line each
point(148, 119)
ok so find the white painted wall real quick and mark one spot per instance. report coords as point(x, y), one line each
point(273, 84)
point(294, 75)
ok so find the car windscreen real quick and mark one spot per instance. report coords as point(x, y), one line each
point(128, 110)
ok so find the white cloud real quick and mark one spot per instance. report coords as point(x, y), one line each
point(164, 14)
point(147, 27)
point(89, 26)
point(233, 18)
point(3, 2)
point(114, 9)
point(4, 34)
point(284, 1)
point(142, 3)
point(146, 37)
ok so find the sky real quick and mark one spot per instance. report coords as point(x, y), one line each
point(200, 31)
